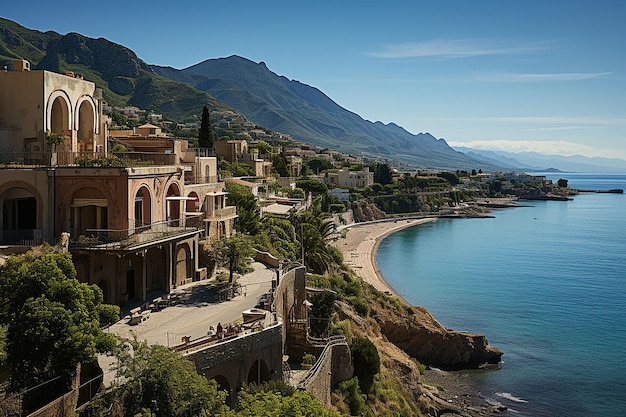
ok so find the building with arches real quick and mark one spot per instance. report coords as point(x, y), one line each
point(133, 229)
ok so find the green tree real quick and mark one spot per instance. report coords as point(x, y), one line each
point(312, 186)
point(366, 362)
point(280, 165)
point(163, 382)
point(205, 135)
point(318, 165)
point(321, 312)
point(54, 322)
point(234, 253)
point(248, 211)
point(273, 403)
point(382, 174)
point(562, 183)
point(313, 233)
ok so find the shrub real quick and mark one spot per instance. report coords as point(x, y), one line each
point(366, 362)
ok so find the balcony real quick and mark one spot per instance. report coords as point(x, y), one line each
point(226, 213)
point(138, 237)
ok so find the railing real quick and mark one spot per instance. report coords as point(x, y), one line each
point(24, 237)
point(211, 179)
point(222, 214)
point(333, 341)
point(87, 159)
point(124, 238)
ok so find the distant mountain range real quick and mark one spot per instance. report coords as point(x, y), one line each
point(536, 162)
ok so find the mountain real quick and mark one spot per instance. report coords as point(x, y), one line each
point(536, 162)
point(124, 78)
point(268, 100)
point(308, 115)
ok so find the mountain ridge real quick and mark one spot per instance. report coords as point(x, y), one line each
point(309, 115)
point(263, 97)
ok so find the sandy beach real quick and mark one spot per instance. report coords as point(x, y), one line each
point(360, 243)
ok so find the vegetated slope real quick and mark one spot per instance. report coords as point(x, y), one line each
point(310, 116)
point(124, 78)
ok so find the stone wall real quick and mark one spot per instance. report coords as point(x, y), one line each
point(250, 358)
point(332, 367)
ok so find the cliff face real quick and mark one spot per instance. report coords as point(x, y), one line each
point(424, 339)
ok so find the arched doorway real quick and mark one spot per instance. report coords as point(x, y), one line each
point(89, 212)
point(143, 207)
point(104, 286)
point(172, 204)
point(259, 373)
point(193, 202)
point(19, 217)
point(183, 265)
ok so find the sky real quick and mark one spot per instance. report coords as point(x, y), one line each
point(513, 75)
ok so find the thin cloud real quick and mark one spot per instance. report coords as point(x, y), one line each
point(451, 48)
point(558, 120)
point(543, 147)
point(538, 77)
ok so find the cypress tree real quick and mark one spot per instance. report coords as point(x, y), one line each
point(205, 136)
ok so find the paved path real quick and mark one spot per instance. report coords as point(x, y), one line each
point(195, 311)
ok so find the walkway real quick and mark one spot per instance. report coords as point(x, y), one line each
point(195, 311)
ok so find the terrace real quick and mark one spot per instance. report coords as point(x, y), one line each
point(138, 237)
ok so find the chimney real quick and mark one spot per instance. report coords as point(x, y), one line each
point(21, 65)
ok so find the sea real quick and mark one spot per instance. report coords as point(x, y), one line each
point(546, 283)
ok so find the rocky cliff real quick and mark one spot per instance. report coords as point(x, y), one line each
point(424, 339)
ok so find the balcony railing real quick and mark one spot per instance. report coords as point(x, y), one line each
point(222, 214)
point(23, 237)
point(212, 179)
point(138, 236)
point(86, 159)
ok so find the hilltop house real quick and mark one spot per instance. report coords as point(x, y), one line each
point(350, 179)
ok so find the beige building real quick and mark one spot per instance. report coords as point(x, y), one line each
point(350, 179)
point(134, 230)
point(37, 103)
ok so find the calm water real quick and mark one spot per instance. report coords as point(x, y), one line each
point(546, 284)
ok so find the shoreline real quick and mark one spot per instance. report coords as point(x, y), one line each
point(459, 391)
point(360, 244)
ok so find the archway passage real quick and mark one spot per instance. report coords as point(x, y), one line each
point(19, 217)
point(59, 120)
point(259, 373)
point(223, 385)
point(86, 127)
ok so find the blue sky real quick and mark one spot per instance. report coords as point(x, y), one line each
point(515, 75)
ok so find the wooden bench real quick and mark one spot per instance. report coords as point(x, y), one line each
point(137, 316)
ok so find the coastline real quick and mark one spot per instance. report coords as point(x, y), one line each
point(361, 242)
point(455, 391)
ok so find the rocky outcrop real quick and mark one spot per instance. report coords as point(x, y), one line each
point(424, 339)
point(364, 212)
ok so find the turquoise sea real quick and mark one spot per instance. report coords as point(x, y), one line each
point(545, 283)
